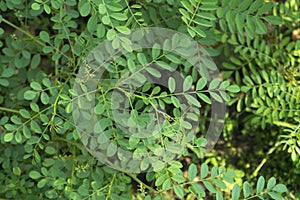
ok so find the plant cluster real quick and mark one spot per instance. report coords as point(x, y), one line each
point(65, 109)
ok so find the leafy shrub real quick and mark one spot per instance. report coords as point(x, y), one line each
point(45, 45)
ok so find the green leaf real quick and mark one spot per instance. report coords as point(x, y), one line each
point(220, 184)
point(209, 186)
point(100, 30)
point(155, 51)
point(10, 127)
point(102, 9)
point(198, 30)
point(45, 36)
point(171, 84)
point(201, 83)
point(276, 20)
point(160, 180)
point(144, 163)
point(204, 98)
point(35, 127)
point(186, 125)
point(35, 6)
point(42, 183)
point(35, 61)
point(214, 170)
point(16, 120)
point(47, 9)
point(133, 141)
point(185, 15)
point(35, 174)
point(280, 188)
point(84, 9)
point(178, 178)
point(92, 23)
point(174, 148)
point(192, 172)
point(197, 189)
point(261, 28)
point(236, 192)
point(233, 88)
point(158, 165)
point(50, 150)
point(173, 58)
point(187, 83)
point(139, 77)
point(204, 170)
point(8, 137)
point(26, 132)
point(187, 6)
point(213, 84)
point(178, 191)
point(119, 16)
point(265, 8)
point(18, 137)
point(123, 29)
point(4, 82)
point(35, 86)
point(164, 65)
point(271, 183)
point(207, 15)
point(142, 58)
point(233, 3)
point(29, 95)
point(116, 7)
point(8, 72)
point(154, 72)
point(99, 109)
point(219, 196)
point(48, 49)
point(102, 138)
point(216, 97)
point(192, 100)
point(254, 7)
point(246, 189)
point(106, 20)
point(245, 4)
point(167, 184)
point(175, 101)
point(24, 113)
point(46, 82)
point(275, 195)
point(17, 171)
point(111, 149)
point(240, 23)
point(44, 98)
point(260, 184)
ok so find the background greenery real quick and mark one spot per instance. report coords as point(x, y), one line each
point(256, 46)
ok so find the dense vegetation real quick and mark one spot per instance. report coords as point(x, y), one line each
point(91, 109)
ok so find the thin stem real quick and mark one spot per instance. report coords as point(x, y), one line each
point(110, 186)
point(9, 110)
point(132, 14)
point(24, 32)
point(258, 168)
point(194, 14)
point(142, 183)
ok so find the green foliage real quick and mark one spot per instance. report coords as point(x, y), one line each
point(43, 45)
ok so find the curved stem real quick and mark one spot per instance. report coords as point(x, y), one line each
point(23, 31)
